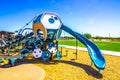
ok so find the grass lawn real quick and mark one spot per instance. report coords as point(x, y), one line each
point(110, 46)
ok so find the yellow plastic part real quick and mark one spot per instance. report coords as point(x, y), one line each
point(4, 61)
point(37, 26)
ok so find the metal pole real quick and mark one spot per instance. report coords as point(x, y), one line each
point(57, 45)
point(76, 47)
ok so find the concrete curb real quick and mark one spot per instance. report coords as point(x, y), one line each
point(85, 49)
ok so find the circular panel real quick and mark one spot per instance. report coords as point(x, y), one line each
point(51, 21)
point(37, 53)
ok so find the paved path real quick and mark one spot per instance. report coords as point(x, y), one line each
point(22, 72)
point(85, 49)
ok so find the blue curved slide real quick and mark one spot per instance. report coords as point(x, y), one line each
point(94, 52)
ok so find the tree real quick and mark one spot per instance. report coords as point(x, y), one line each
point(99, 38)
point(87, 35)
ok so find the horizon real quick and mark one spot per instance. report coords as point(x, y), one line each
point(97, 17)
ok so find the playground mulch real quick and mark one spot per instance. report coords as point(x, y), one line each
point(69, 68)
point(81, 69)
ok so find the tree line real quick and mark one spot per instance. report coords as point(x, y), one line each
point(89, 36)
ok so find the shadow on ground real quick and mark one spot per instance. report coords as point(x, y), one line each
point(88, 69)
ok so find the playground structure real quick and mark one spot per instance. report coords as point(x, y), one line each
point(42, 40)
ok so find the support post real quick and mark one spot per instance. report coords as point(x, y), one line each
point(57, 45)
point(76, 47)
point(98, 71)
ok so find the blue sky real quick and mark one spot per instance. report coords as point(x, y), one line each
point(97, 17)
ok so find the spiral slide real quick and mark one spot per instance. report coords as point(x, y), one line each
point(94, 52)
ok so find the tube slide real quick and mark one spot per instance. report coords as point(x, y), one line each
point(94, 52)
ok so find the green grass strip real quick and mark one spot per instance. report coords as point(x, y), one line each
point(110, 46)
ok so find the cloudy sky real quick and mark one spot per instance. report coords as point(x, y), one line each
point(97, 17)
